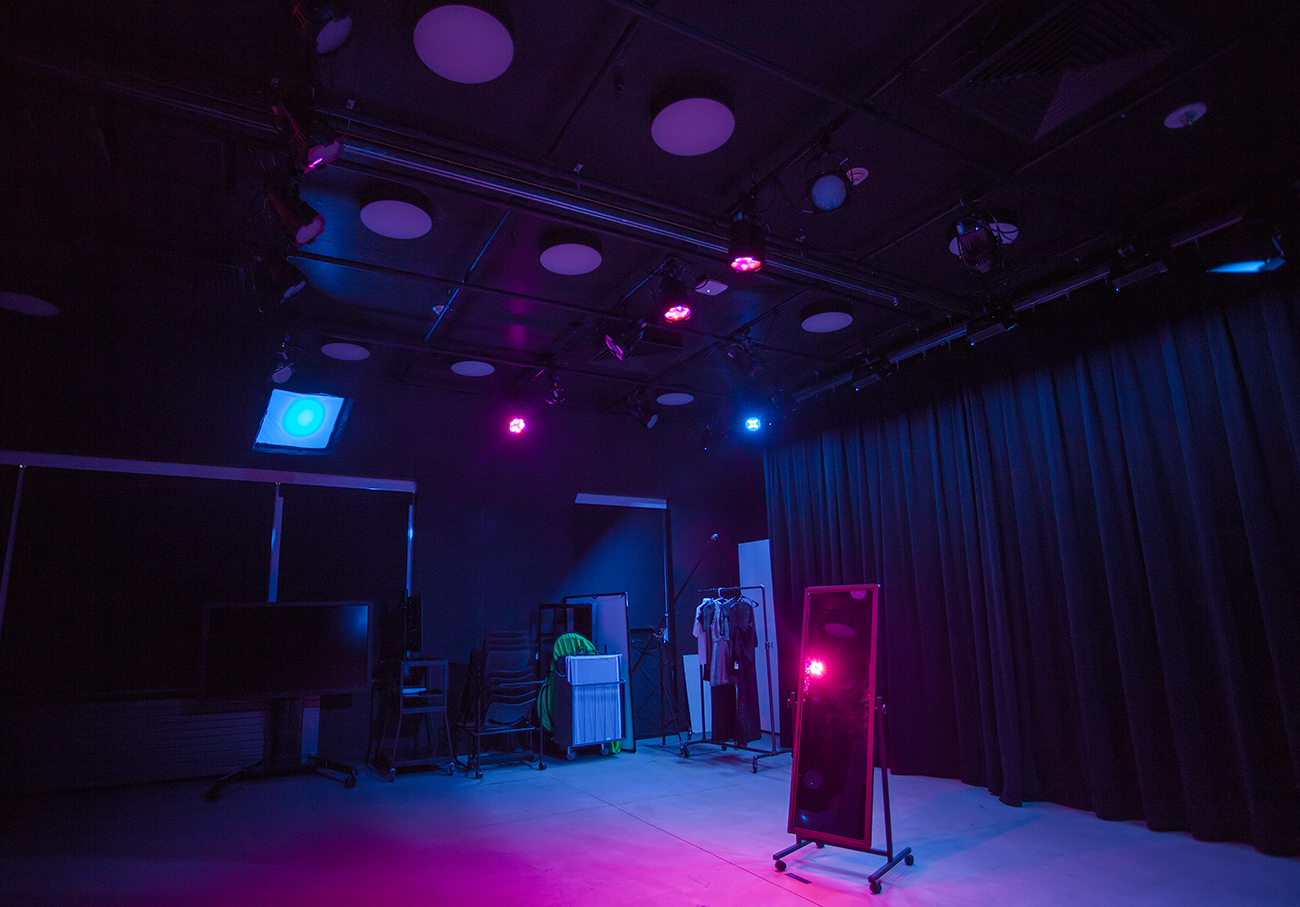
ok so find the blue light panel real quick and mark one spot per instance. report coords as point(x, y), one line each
point(301, 423)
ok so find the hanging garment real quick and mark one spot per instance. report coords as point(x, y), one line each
point(702, 630)
point(720, 657)
point(743, 643)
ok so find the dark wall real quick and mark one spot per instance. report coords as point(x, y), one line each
point(497, 530)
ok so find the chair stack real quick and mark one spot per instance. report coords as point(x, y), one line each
point(500, 705)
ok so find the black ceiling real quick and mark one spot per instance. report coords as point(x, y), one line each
point(139, 144)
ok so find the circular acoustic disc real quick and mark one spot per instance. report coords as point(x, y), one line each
point(333, 33)
point(825, 318)
point(693, 126)
point(348, 352)
point(27, 305)
point(843, 631)
point(674, 398)
point(1186, 115)
point(472, 368)
point(463, 44)
point(570, 258)
point(396, 219)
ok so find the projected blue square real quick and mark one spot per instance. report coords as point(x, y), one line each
point(301, 423)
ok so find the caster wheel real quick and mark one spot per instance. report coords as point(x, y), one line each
point(821, 844)
point(541, 766)
point(780, 865)
point(605, 749)
point(392, 774)
point(876, 887)
point(686, 754)
point(909, 859)
point(478, 775)
point(350, 782)
point(212, 795)
point(570, 754)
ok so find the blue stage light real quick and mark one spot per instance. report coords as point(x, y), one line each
point(301, 423)
point(753, 423)
point(303, 418)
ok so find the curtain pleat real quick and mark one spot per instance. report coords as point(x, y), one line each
point(1087, 562)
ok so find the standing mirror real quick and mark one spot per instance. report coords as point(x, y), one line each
point(834, 734)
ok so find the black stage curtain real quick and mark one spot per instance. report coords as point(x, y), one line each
point(1086, 533)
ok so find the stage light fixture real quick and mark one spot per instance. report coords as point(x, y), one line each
point(1134, 263)
point(753, 423)
point(989, 324)
point(300, 221)
point(301, 423)
point(816, 667)
point(276, 279)
point(284, 362)
point(621, 341)
point(978, 240)
point(516, 425)
point(311, 141)
point(556, 396)
point(674, 298)
point(977, 243)
point(746, 249)
point(325, 25)
point(640, 410)
point(1249, 247)
point(828, 190)
point(740, 352)
point(871, 372)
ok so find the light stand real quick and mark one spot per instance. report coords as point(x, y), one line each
point(660, 637)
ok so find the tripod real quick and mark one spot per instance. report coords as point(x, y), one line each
point(660, 635)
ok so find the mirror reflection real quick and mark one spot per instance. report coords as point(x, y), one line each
point(833, 758)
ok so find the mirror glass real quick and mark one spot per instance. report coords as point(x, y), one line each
point(831, 782)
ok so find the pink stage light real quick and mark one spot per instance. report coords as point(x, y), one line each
point(517, 425)
point(677, 313)
point(816, 668)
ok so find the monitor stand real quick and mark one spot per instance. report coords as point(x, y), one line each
point(282, 752)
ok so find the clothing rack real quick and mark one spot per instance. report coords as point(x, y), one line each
point(685, 749)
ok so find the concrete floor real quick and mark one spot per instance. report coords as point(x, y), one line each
point(644, 828)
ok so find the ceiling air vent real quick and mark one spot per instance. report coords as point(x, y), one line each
point(1076, 57)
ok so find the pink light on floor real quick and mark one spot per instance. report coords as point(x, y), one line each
point(746, 263)
point(517, 425)
point(677, 313)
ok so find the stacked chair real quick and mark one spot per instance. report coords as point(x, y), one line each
point(500, 704)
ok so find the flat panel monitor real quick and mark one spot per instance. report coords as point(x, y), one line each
point(282, 649)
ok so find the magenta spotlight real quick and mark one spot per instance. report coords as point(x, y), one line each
point(517, 425)
point(677, 313)
point(816, 668)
